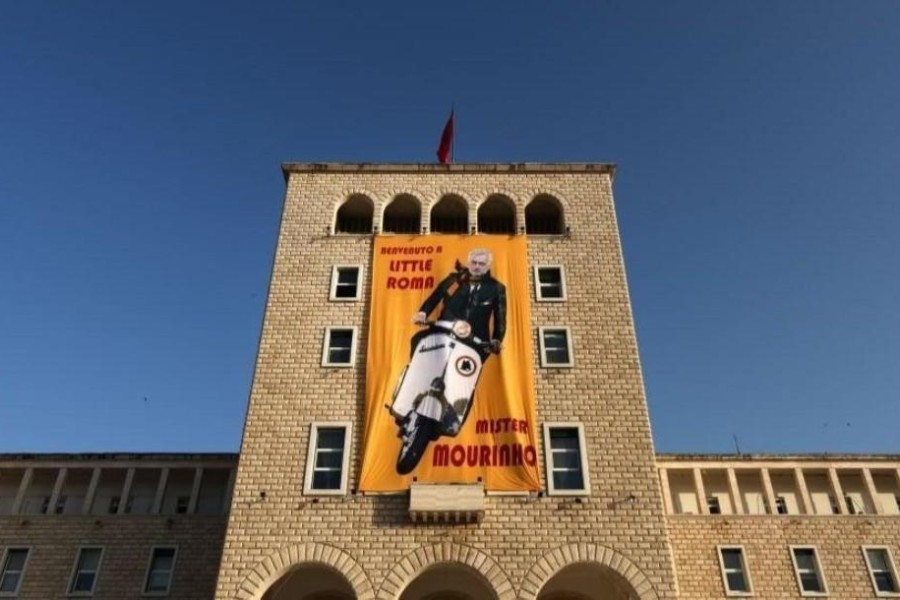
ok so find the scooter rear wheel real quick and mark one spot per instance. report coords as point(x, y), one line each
point(421, 431)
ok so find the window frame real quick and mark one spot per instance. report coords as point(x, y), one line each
point(74, 574)
point(326, 346)
point(335, 271)
point(585, 490)
point(538, 295)
point(892, 566)
point(144, 590)
point(820, 572)
point(745, 570)
point(22, 573)
point(311, 454)
point(543, 348)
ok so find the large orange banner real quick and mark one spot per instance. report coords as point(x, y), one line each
point(449, 387)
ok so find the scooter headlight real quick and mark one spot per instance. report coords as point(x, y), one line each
point(462, 329)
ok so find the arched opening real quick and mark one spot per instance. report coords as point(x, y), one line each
point(497, 214)
point(544, 216)
point(311, 581)
point(587, 581)
point(450, 215)
point(355, 215)
point(403, 215)
point(449, 581)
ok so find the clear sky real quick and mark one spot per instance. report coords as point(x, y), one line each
point(758, 153)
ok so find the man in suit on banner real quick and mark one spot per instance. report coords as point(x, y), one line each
point(471, 294)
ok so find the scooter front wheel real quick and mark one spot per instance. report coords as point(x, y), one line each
point(418, 432)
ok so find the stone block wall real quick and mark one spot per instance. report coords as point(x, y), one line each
point(523, 540)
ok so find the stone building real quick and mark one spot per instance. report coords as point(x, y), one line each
point(607, 519)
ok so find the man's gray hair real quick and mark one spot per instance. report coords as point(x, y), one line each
point(482, 252)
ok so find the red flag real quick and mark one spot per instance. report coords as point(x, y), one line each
point(445, 148)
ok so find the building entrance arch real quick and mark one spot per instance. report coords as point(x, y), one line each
point(311, 581)
point(587, 581)
point(585, 572)
point(449, 581)
point(310, 571)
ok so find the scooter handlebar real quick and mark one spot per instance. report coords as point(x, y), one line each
point(493, 346)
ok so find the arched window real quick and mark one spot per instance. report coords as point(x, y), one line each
point(544, 216)
point(497, 214)
point(355, 215)
point(450, 215)
point(403, 215)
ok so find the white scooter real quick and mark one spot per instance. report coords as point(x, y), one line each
point(434, 394)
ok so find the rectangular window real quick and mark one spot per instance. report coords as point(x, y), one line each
point(87, 568)
point(114, 502)
point(182, 503)
point(549, 284)
point(345, 282)
point(854, 505)
point(781, 505)
point(328, 457)
point(713, 504)
point(735, 574)
point(809, 574)
point(160, 570)
point(566, 466)
point(882, 571)
point(556, 347)
point(13, 571)
point(340, 347)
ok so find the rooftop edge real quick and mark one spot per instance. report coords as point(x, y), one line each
point(521, 167)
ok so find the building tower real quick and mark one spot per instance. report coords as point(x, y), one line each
point(547, 490)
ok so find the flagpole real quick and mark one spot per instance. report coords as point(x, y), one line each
point(453, 138)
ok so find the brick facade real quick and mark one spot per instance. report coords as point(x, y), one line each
point(522, 541)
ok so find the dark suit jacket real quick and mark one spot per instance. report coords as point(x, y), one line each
point(489, 299)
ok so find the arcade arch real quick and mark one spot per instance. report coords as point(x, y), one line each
point(544, 216)
point(585, 572)
point(450, 215)
point(497, 214)
point(355, 215)
point(402, 215)
point(311, 581)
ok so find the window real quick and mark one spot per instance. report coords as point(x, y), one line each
point(340, 347)
point(328, 457)
point(87, 567)
point(556, 347)
point(882, 571)
point(544, 216)
point(781, 505)
point(549, 284)
point(854, 506)
point(114, 502)
point(566, 468)
point(159, 572)
point(345, 283)
point(355, 215)
point(809, 575)
point(13, 570)
point(182, 503)
point(713, 504)
point(735, 574)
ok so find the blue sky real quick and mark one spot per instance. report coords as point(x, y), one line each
point(757, 147)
